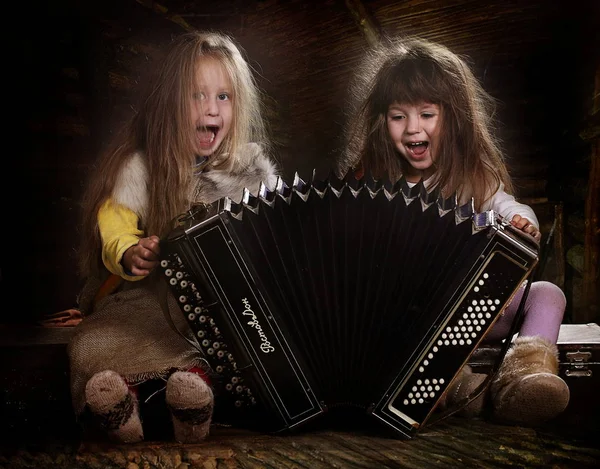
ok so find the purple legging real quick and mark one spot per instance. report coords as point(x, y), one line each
point(542, 314)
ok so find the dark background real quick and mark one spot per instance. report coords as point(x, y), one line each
point(76, 66)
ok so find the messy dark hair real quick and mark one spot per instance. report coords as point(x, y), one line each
point(468, 160)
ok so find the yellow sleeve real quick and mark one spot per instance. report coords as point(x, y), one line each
point(119, 231)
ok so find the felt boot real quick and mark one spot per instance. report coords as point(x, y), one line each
point(527, 389)
point(462, 387)
point(190, 400)
point(114, 407)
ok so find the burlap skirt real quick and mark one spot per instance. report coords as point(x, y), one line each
point(128, 333)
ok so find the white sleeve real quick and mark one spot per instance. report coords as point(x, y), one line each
point(506, 205)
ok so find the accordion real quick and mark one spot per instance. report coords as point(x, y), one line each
point(341, 293)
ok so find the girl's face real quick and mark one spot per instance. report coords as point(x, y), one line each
point(414, 130)
point(212, 106)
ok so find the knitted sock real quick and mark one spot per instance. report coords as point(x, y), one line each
point(191, 403)
point(114, 406)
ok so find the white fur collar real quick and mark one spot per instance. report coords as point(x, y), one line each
point(131, 187)
point(249, 171)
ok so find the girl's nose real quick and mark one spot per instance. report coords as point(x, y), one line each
point(210, 107)
point(413, 126)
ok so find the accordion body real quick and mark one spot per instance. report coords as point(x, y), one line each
point(341, 293)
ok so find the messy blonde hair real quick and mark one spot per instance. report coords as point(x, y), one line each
point(159, 131)
point(468, 160)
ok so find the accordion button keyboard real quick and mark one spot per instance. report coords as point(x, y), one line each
point(210, 340)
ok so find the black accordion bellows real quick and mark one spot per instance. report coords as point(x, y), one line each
point(342, 293)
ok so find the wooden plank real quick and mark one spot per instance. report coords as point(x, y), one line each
point(365, 21)
point(452, 443)
point(32, 336)
point(591, 244)
point(559, 246)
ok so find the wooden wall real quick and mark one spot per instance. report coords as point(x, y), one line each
point(77, 65)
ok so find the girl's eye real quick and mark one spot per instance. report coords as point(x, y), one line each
point(397, 117)
point(223, 96)
point(199, 95)
point(428, 115)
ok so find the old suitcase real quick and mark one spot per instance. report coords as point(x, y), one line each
point(579, 365)
point(579, 351)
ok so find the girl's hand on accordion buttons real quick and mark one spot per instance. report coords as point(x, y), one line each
point(526, 226)
point(142, 258)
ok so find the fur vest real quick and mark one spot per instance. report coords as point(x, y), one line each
point(254, 168)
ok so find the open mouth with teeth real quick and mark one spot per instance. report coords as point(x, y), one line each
point(207, 135)
point(418, 148)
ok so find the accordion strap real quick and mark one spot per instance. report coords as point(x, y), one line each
point(162, 292)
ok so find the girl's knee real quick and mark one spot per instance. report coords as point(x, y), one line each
point(548, 297)
point(547, 292)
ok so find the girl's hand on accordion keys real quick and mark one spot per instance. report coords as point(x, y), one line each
point(142, 258)
point(525, 225)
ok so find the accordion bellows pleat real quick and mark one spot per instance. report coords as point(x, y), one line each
point(341, 293)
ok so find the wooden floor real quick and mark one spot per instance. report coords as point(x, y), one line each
point(455, 442)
